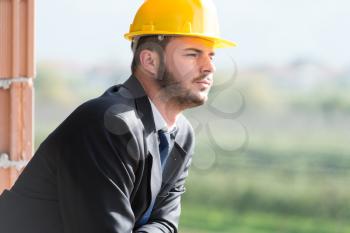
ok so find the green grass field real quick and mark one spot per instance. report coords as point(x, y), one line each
point(201, 219)
point(272, 188)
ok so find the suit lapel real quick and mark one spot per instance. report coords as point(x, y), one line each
point(144, 110)
point(173, 165)
point(156, 175)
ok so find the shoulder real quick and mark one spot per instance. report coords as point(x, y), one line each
point(116, 101)
point(115, 109)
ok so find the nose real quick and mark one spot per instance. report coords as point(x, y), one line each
point(207, 65)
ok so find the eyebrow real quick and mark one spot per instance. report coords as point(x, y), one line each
point(199, 51)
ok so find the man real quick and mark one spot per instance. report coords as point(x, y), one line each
point(118, 163)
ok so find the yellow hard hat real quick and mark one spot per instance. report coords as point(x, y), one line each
point(196, 18)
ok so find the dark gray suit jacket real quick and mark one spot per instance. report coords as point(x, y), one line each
point(99, 170)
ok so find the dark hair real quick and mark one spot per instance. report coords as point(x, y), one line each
point(152, 43)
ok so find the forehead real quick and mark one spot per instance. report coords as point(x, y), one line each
point(184, 42)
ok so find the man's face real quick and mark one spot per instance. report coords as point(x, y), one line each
point(186, 74)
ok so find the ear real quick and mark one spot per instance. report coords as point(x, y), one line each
point(149, 61)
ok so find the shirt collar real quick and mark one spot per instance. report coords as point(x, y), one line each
point(159, 120)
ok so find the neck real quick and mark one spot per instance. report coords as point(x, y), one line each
point(167, 108)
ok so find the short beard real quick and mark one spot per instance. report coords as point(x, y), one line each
point(172, 91)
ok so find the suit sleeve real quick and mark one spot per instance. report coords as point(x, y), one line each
point(166, 213)
point(96, 174)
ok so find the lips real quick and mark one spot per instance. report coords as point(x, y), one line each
point(204, 82)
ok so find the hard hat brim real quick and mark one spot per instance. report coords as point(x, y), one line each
point(218, 42)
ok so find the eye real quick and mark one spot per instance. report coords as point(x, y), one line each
point(192, 55)
point(211, 56)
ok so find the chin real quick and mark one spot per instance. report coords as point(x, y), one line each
point(198, 99)
point(192, 99)
point(203, 95)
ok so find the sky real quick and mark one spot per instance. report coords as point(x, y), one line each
point(270, 32)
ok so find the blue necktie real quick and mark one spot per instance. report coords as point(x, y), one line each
point(164, 146)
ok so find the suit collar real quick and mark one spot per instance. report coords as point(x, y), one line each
point(144, 109)
point(149, 114)
point(142, 103)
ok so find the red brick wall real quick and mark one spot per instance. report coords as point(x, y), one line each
point(16, 89)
